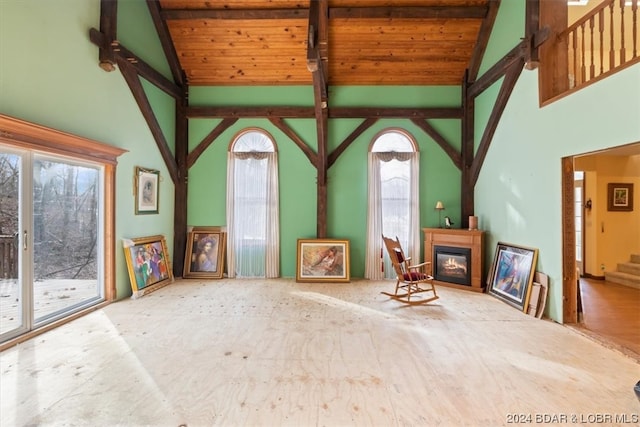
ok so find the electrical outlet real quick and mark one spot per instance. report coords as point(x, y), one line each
point(602, 267)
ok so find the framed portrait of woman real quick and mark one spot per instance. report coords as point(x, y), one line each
point(205, 254)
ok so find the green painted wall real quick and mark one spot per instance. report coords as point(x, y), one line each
point(56, 82)
point(347, 178)
point(518, 194)
point(49, 75)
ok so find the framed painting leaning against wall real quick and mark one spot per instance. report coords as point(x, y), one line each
point(148, 263)
point(512, 274)
point(205, 253)
point(322, 260)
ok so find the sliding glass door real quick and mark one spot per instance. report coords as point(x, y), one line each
point(12, 297)
point(51, 224)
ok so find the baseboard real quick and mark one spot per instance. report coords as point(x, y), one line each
point(591, 276)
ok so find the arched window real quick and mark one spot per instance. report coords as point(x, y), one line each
point(252, 206)
point(393, 199)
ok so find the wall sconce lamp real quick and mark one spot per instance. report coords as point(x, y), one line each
point(439, 207)
point(588, 205)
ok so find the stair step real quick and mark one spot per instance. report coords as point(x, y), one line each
point(635, 258)
point(631, 280)
point(629, 268)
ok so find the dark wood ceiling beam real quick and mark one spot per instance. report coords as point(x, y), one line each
point(483, 40)
point(498, 70)
point(167, 44)
point(108, 27)
point(208, 140)
point(417, 12)
point(441, 141)
point(280, 124)
point(178, 14)
point(317, 42)
point(511, 77)
point(335, 154)
point(195, 112)
point(133, 81)
point(251, 112)
point(395, 113)
point(142, 68)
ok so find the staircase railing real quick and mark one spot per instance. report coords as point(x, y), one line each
point(602, 42)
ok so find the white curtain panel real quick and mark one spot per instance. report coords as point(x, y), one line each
point(388, 201)
point(253, 215)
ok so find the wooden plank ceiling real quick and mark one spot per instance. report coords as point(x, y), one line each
point(366, 42)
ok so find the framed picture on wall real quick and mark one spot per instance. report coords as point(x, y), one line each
point(147, 190)
point(322, 260)
point(512, 274)
point(619, 197)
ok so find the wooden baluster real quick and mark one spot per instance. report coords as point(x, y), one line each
point(592, 66)
point(601, 31)
point(623, 54)
point(634, 12)
point(574, 34)
point(612, 54)
point(583, 69)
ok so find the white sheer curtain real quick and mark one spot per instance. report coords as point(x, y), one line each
point(393, 208)
point(253, 224)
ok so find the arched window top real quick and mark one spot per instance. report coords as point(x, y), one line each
point(394, 140)
point(253, 141)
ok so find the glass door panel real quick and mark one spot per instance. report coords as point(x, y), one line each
point(12, 297)
point(66, 237)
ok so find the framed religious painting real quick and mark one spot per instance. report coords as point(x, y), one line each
point(147, 192)
point(322, 260)
point(205, 254)
point(512, 274)
point(148, 263)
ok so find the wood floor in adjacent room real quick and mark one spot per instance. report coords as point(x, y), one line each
point(277, 353)
point(611, 312)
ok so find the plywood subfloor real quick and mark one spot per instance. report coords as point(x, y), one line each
point(276, 352)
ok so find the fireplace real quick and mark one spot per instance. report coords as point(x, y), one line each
point(452, 264)
point(461, 246)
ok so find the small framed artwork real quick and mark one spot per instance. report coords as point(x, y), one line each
point(205, 254)
point(620, 197)
point(148, 263)
point(512, 274)
point(147, 190)
point(322, 260)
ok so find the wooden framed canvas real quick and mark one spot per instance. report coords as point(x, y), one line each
point(147, 190)
point(619, 197)
point(322, 260)
point(205, 254)
point(512, 274)
point(148, 263)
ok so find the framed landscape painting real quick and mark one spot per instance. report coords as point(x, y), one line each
point(205, 254)
point(322, 260)
point(148, 263)
point(512, 274)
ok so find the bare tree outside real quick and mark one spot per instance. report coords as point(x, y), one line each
point(65, 216)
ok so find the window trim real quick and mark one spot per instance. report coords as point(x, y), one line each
point(22, 134)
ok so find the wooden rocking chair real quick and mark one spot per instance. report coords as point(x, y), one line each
point(412, 279)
